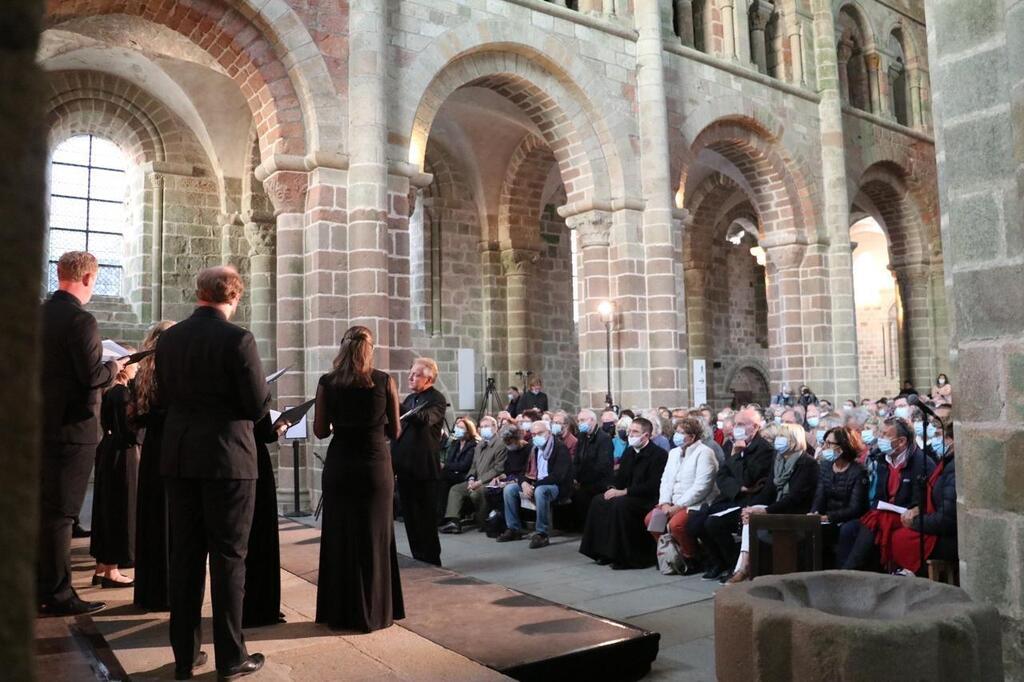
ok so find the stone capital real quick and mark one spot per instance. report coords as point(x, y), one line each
point(518, 262)
point(844, 51)
point(287, 191)
point(912, 274)
point(592, 227)
point(784, 254)
point(873, 61)
point(262, 237)
point(760, 14)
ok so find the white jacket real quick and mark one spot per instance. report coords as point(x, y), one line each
point(689, 481)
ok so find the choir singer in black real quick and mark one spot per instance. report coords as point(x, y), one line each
point(212, 384)
point(417, 461)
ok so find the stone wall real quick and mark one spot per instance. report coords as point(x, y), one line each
point(979, 71)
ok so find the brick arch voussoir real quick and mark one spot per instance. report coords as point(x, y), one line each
point(705, 206)
point(908, 240)
point(519, 206)
point(239, 48)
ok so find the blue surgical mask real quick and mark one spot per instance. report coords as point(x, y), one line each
point(938, 446)
point(820, 435)
point(459, 433)
point(487, 432)
point(868, 435)
point(884, 446)
point(781, 444)
point(778, 420)
point(829, 455)
point(918, 428)
point(739, 433)
point(539, 441)
point(584, 427)
point(813, 421)
point(678, 439)
point(932, 431)
point(556, 428)
point(902, 412)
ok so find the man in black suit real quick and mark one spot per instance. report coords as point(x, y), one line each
point(416, 458)
point(73, 374)
point(209, 376)
point(593, 466)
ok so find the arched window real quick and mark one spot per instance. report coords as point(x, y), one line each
point(699, 35)
point(898, 80)
point(88, 192)
point(853, 71)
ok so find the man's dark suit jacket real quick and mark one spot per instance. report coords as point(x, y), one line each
point(210, 378)
point(73, 372)
point(416, 453)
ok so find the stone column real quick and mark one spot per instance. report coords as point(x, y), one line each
point(666, 327)
point(261, 233)
point(683, 10)
point(916, 102)
point(796, 48)
point(728, 13)
point(978, 86)
point(873, 63)
point(593, 230)
point(786, 353)
point(914, 281)
point(843, 53)
point(760, 14)
point(844, 367)
point(495, 315)
point(517, 265)
point(157, 248)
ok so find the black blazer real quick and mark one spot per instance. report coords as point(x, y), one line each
point(802, 485)
point(73, 371)
point(211, 380)
point(559, 469)
point(640, 473)
point(750, 468)
point(529, 401)
point(594, 463)
point(416, 453)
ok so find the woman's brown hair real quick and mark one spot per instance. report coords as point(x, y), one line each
point(849, 441)
point(145, 379)
point(353, 367)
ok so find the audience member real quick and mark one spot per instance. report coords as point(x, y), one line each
point(593, 465)
point(619, 442)
point(562, 428)
point(534, 398)
point(806, 397)
point(488, 464)
point(608, 420)
point(942, 392)
point(548, 478)
point(456, 461)
point(842, 494)
point(513, 402)
point(784, 397)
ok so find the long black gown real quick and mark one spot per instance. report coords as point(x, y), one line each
point(358, 586)
point(116, 459)
point(614, 529)
point(151, 525)
point(262, 603)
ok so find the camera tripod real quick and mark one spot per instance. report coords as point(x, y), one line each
point(490, 399)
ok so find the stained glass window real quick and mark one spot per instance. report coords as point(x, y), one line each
point(88, 192)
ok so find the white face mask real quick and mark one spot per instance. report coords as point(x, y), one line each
point(635, 441)
point(739, 433)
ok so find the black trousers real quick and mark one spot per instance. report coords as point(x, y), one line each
point(419, 511)
point(63, 483)
point(722, 549)
point(209, 516)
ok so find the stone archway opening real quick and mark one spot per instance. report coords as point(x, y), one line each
point(748, 385)
point(878, 311)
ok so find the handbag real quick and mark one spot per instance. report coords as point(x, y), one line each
point(670, 560)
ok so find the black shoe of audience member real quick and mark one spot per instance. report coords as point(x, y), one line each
point(186, 673)
point(72, 607)
point(602, 561)
point(539, 540)
point(723, 577)
point(693, 567)
point(451, 528)
point(712, 573)
point(510, 535)
point(78, 532)
point(247, 667)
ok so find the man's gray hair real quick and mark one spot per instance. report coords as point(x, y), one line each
point(428, 364)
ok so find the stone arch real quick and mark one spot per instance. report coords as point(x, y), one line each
point(885, 186)
point(247, 40)
point(544, 75)
point(754, 371)
point(522, 191)
point(855, 11)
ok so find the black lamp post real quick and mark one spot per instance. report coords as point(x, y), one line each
point(607, 311)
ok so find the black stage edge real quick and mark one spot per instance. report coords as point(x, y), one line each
point(519, 635)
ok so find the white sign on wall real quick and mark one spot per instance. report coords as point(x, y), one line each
point(700, 381)
point(467, 379)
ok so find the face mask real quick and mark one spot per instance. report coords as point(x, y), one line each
point(813, 421)
point(938, 445)
point(621, 433)
point(608, 427)
point(511, 397)
point(634, 441)
point(820, 435)
point(459, 433)
point(918, 428)
point(678, 439)
point(778, 420)
point(556, 428)
point(828, 455)
point(884, 446)
point(932, 431)
point(942, 382)
point(848, 408)
point(584, 427)
point(720, 425)
point(902, 412)
point(781, 444)
point(525, 426)
point(487, 432)
point(539, 441)
point(739, 433)
point(868, 436)
point(535, 391)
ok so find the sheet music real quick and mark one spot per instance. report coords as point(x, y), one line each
point(885, 506)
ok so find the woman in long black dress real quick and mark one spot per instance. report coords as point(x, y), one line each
point(111, 542)
point(151, 532)
point(262, 603)
point(358, 586)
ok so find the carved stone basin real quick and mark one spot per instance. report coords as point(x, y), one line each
point(853, 626)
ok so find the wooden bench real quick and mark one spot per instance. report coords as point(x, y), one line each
point(944, 571)
point(787, 531)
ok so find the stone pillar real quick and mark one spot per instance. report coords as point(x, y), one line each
point(495, 316)
point(261, 233)
point(796, 48)
point(760, 14)
point(873, 63)
point(593, 230)
point(785, 305)
point(916, 101)
point(844, 366)
point(914, 281)
point(23, 136)
point(666, 327)
point(517, 265)
point(683, 18)
point(978, 96)
point(157, 248)
point(367, 238)
point(728, 13)
point(843, 53)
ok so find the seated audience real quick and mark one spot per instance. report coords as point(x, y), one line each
point(593, 466)
point(806, 397)
point(688, 483)
point(619, 442)
point(608, 419)
point(513, 407)
point(614, 532)
point(784, 397)
point(488, 464)
point(548, 478)
point(504, 418)
point(942, 392)
point(842, 493)
point(563, 428)
point(660, 437)
point(458, 459)
point(708, 438)
point(534, 398)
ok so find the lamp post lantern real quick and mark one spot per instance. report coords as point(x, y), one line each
point(607, 312)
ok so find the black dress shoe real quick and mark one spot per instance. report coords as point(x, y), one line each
point(108, 583)
point(97, 579)
point(78, 532)
point(186, 674)
point(71, 607)
point(692, 568)
point(247, 667)
point(602, 561)
point(712, 573)
point(451, 528)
